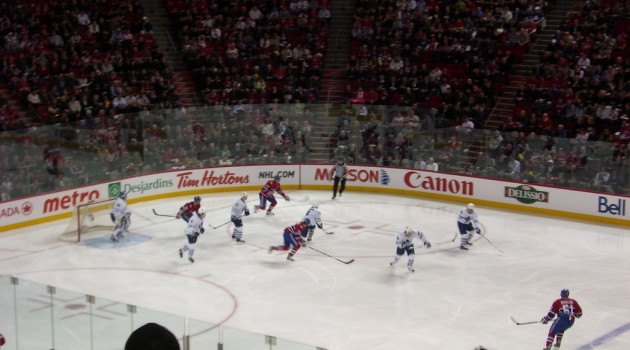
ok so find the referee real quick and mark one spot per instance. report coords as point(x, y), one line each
point(339, 174)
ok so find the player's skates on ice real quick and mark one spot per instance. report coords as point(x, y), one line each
point(269, 213)
point(393, 262)
point(290, 258)
point(411, 269)
point(239, 240)
point(190, 258)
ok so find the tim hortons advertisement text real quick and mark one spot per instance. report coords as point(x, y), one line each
point(414, 179)
point(358, 175)
point(54, 204)
point(210, 179)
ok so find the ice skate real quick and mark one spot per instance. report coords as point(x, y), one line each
point(333, 197)
point(289, 258)
point(393, 262)
point(269, 213)
point(339, 194)
point(463, 247)
point(113, 238)
point(190, 258)
point(411, 269)
point(310, 238)
point(181, 253)
point(239, 240)
point(233, 237)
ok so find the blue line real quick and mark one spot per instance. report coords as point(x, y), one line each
point(606, 337)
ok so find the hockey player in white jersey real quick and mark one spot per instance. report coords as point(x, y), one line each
point(193, 230)
point(404, 244)
point(239, 209)
point(468, 224)
point(314, 217)
point(120, 217)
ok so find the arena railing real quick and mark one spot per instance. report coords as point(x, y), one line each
point(54, 157)
point(39, 316)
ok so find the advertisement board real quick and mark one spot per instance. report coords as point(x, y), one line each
point(583, 205)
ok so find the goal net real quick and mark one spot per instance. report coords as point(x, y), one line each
point(89, 220)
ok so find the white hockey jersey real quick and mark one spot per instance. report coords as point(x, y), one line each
point(466, 218)
point(119, 209)
point(402, 241)
point(238, 208)
point(194, 225)
point(314, 217)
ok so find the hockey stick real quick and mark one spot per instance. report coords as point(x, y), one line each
point(447, 242)
point(489, 241)
point(330, 256)
point(300, 199)
point(521, 323)
point(326, 232)
point(223, 224)
point(168, 216)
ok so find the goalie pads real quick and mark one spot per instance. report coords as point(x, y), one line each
point(123, 220)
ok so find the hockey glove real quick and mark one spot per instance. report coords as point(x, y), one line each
point(202, 230)
point(478, 230)
point(544, 320)
point(321, 227)
point(427, 244)
point(178, 216)
point(246, 212)
point(286, 198)
point(303, 244)
point(196, 234)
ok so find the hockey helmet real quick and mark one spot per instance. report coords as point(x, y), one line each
point(470, 207)
point(122, 195)
point(244, 196)
point(408, 231)
point(564, 293)
point(197, 199)
point(315, 205)
point(277, 177)
point(340, 159)
point(201, 212)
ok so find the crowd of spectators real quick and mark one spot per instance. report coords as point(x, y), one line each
point(78, 60)
point(454, 56)
point(252, 51)
point(440, 62)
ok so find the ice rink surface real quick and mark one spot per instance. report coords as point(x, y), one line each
point(455, 299)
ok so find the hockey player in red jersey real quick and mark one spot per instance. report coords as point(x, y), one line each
point(567, 310)
point(266, 194)
point(292, 239)
point(188, 209)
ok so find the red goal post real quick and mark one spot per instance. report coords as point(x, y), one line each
point(89, 219)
